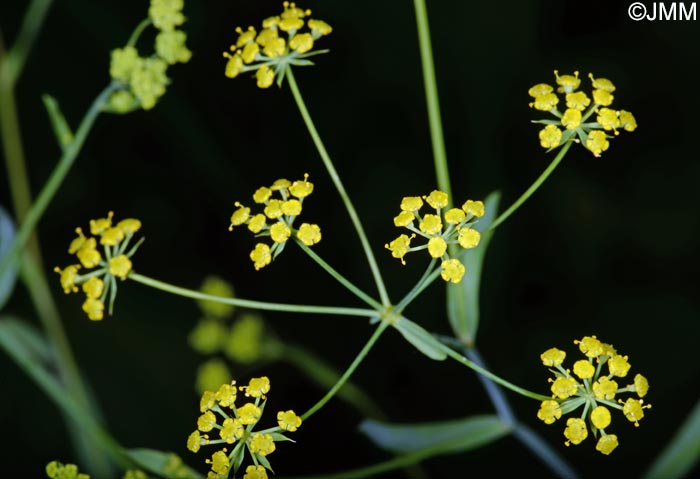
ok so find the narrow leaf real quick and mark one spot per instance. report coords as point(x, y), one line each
point(7, 235)
point(164, 464)
point(451, 436)
point(63, 133)
point(463, 298)
point(420, 338)
point(682, 453)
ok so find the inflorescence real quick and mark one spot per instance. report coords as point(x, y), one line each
point(267, 53)
point(459, 230)
point(114, 262)
point(143, 80)
point(282, 211)
point(237, 428)
point(579, 108)
point(589, 387)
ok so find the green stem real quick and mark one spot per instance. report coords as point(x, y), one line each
point(325, 376)
point(138, 31)
point(432, 100)
point(338, 184)
point(54, 182)
point(340, 278)
point(246, 303)
point(484, 372)
point(356, 362)
point(545, 174)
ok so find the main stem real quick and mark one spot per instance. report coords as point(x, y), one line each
point(54, 182)
point(338, 185)
point(538, 182)
point(360, 357)
point(432, 100)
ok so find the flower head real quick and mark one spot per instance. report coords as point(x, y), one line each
point(57, 470)
point(572, 124)
point(593, 388)
point(98, 276)
point(440, 228)
point(281, 203)
point(235, 426)
point(142, 79)
point(287, 39)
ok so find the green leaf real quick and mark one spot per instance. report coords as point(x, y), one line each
point(164, 464)
point(682, 453)
point(463, 298)
point(7, 235)
point(63, 133)
point(451, 436)
point(420, 338)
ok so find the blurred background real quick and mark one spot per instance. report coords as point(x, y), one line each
point(608, 246)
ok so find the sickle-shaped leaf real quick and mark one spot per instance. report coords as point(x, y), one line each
point(420, 338)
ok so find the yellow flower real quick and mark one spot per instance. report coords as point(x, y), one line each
point(206, 421)
point(262, 444)
point(219, 462)
point(608, 119)
point(226, 395)
point(280, 232)
point(120, 266)
point(468, 238)
point(567, 83)
point(301, 188)
point(602, 84)
point(257, 387)
point(265, 76)
point(309, 234)
point(602, 97)
point(288, 420)
point(411, 203)
point(231, 430)
point(550, 136)
point(453, 216)
point(539, 90)
point(399, 247)
point(546, 102)
point(68, 275)
point(575, 431)
point(129, 225)
point(597, 142)
point(431, 224)
point(249, 413)
point(261, 256)
point(571, 119)
point(93, 287)
point(255, 472)
point(452, 270)
point(593, 391)
point(437, 199)
point(194, 441)
point(437, 247)
point(291, 207)
point(166, 14)
point(627, 121)
point(94, 308)
point(112, 236)
point(88, 254)
point(577, 100)
point(170, 46)
point(319, 28)
point(474, 208)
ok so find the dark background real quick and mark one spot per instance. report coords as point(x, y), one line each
point(608, 246)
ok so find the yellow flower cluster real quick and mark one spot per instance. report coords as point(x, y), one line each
point(594, 388)
point(101, 282)
point(237, 427)
point(453, 226)
point(574, 121)
point(267, 53)
point(282, 212)
point(57, 470)
point(143, 79)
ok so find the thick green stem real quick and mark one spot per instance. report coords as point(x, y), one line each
point(246, 303)
point(340, 278)
point(538, 182)
point(360, 357)
point(432, 100)
point(55, 180)
point(325, 157)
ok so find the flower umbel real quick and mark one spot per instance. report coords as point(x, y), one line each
point(268, 52)
point(57, 470)
point(236, 428)
point(572, 123)
point(593, 386)
point(440, 229)
point(282, 203)
point(101, 282)
point(143, 80)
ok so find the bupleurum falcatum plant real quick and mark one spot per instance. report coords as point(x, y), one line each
point(236, 426)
